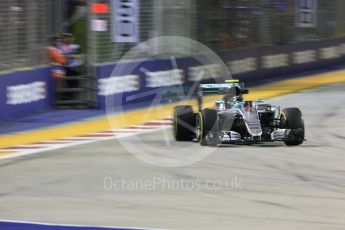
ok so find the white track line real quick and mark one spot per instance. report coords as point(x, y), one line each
point(24, 150)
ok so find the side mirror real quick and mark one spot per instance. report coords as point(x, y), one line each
point(245, 91)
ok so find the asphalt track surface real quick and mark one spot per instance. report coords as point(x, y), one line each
point(277, 187)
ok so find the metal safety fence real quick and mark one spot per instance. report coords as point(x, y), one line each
point(25, 25)
point(23, 31)
point(219, 24)
point(154, 18)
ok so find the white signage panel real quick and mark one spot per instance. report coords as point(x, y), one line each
point(306, 13)
point(125, 18)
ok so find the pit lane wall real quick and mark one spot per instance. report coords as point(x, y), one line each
point(25, 92)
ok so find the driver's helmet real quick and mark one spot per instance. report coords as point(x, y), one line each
point(238, 91)
point(220, 105)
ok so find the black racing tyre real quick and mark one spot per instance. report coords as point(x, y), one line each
point(184, 123)
point(292, 119)
point(206, 121)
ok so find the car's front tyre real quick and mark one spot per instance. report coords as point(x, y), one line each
point(184, 123)
point(292, 119)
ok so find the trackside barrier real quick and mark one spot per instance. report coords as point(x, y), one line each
point(26, 92)
point(251, 65)
point(259, 63)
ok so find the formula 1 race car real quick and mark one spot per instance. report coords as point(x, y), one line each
point(235, 121)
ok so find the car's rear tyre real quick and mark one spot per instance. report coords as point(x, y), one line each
point(206, 121)
point(184, 123)
point(292, 119)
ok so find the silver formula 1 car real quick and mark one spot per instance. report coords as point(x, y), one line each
point(235, 121)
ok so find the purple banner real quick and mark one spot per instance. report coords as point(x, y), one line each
point(25, 92)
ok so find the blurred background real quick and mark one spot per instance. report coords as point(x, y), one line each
point(258, 40)
point(221, 25)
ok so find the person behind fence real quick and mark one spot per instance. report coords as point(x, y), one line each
point(71, 52)
point(57, 62)
point(57, 58)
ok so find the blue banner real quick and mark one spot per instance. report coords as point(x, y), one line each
point(25, 92)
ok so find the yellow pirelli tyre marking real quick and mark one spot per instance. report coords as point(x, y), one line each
point(282, 114)
point(201, 124)
point(175, 124)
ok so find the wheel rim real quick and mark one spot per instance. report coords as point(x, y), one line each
point(198, 131)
